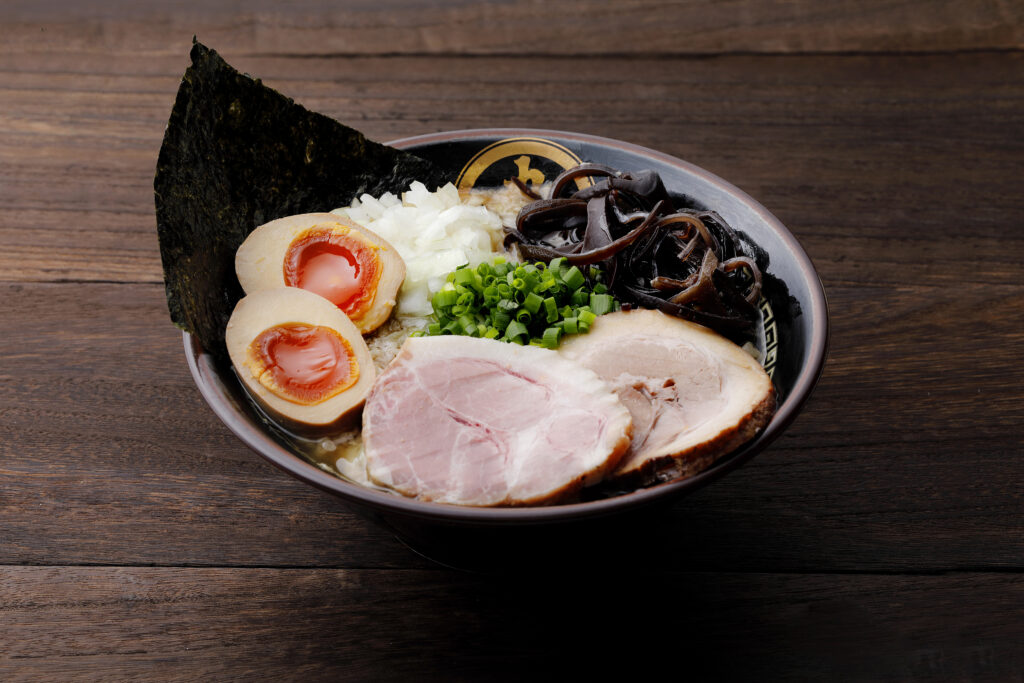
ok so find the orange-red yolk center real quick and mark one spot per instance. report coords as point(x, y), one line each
point(304, 364)
point(337, 265)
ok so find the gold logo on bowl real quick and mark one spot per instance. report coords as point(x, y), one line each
point(533, 161)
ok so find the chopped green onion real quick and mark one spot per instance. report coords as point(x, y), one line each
point(552, 336)
point(465, 276)
point(525, 303)
point(602, 303)
point(468, 325)
point(532, 302)
point(500, 319)
point(445, 298)
point(574, 278)
point(551, 309)
point(515, 329)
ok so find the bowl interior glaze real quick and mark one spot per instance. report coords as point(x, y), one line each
point(796, 326)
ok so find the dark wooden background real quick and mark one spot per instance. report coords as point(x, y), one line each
point(880, 538)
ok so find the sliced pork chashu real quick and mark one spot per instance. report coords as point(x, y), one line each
point(694, 395)
point(481, 422)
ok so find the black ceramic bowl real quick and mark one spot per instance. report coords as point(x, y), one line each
point(796, 335)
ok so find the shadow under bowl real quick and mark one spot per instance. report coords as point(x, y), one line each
point(497, 539)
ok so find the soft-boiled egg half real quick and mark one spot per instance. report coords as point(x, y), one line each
point(300, 357)
point(334, 257)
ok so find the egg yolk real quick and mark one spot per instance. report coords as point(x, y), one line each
point(305, 364)
point(336, 264)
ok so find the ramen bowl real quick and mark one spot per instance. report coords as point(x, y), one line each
point(795, 320)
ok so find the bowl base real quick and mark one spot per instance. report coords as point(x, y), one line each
point(629, 540)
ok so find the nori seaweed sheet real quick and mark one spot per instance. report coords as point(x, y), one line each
point(237, 154)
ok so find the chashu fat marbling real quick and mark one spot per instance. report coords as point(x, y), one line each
point(694, 396)
point(481, 422)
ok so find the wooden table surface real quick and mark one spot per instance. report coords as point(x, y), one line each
point(880, 538)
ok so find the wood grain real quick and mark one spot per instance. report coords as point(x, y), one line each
point(180, 624)
point(870, 160)
point(513, 27)
point(880, 538)
point(114, 442)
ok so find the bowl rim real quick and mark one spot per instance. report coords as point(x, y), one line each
point(817, 348)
